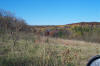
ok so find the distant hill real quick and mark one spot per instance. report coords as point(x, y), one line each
point(85, 23)
point(88, 31)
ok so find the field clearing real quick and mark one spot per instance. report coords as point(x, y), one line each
point(87, 49)
point(47, 51)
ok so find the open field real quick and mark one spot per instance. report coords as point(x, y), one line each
point(32, 50)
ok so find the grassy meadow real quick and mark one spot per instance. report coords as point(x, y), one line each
point(32, 50)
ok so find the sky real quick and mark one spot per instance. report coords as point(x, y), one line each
point(53, 12)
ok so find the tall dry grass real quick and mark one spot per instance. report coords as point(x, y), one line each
point(31, 50)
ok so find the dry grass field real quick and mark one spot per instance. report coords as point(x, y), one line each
point(46, 51)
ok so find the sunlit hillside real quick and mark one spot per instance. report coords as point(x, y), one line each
point(86, 31)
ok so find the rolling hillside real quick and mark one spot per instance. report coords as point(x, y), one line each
point(88, 31)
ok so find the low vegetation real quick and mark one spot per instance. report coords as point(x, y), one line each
point(46, 52)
